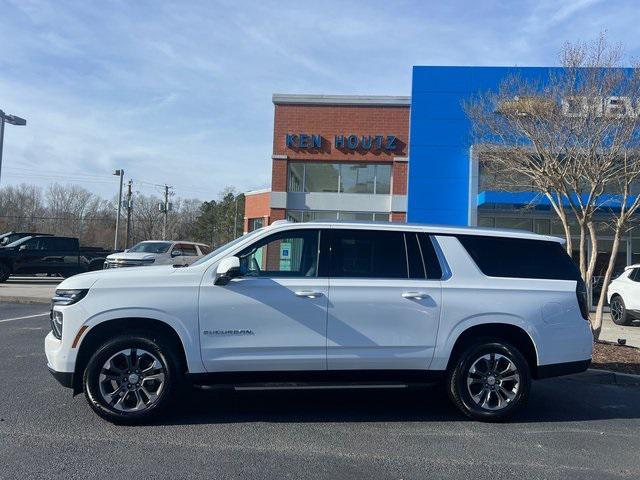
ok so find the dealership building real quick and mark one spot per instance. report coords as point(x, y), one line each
point(401, 159)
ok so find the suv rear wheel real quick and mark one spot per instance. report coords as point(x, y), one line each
point(132, 379)
point(490, 380)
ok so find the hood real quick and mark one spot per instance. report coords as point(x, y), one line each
point(130, 274)
point(132, 256)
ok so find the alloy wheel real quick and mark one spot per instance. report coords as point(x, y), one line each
point(493, 381)
point(617, 310)
point(131, 380)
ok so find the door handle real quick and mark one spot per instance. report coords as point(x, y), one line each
point(415, 295)
point(308, 293)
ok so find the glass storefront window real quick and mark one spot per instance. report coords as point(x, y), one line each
point(383, 179)
point(486, 222)
point(635, 250)
point(255, 223)
point(542, 226)
point(356, 178)
point(517, 223)
point(294, 216)
point(321, 177)
point(311, 215)
point(339, 177)
point(296, 177)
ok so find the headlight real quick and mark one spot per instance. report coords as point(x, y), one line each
point(69, 296)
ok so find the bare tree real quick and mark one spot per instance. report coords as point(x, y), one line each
point(566, 136)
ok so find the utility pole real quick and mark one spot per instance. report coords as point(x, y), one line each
point(119, 173)
point(129, 207)
point(13, 120)
point(165, 210)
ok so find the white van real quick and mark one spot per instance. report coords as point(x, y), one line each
point(299, 304)
point(158, 252)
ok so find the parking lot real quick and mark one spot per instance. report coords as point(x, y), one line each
point(572, 428)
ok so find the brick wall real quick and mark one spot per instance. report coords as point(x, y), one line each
point(399, 174)
point(398, 217)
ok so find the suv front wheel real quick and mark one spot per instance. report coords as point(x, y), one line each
point(489, 381)
point(132, 379)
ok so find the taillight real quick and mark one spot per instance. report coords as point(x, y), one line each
point(583, 299)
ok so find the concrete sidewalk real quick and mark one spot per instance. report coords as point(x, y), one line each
point(29, 289)
point(612, 332)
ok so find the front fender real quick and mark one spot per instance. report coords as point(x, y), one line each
point(189, 339)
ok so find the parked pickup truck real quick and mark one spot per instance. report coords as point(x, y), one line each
point(49, 254)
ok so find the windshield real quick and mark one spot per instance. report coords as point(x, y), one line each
point(226, 246)
point(8, 238)
point(17, 242)
point(151, 247)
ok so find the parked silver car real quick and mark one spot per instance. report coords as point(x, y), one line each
point(158, 252)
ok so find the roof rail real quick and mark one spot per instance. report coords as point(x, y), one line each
point(280, 222)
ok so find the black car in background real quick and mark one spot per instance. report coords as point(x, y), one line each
point(49, 254)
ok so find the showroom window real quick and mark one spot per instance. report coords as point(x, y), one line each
point(339, 177)
point(312, 215)
point(255, 223)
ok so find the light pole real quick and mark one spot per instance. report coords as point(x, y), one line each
point(119, 173)
point(13, 120)
point(235, 220)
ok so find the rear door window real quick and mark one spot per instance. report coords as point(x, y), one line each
point(367, 254)
point(520, 257)
point(430, 257)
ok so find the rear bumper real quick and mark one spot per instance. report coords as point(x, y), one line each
point(64, 378)
point(559, 369)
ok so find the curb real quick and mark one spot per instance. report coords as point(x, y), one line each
point(25, 300)
point(619, 377)
point(607, 377)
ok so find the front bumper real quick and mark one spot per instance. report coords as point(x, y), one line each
point(64, 378)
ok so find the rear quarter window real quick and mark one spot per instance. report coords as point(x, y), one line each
point(520, 258)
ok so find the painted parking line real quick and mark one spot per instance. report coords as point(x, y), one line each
point(25, 317)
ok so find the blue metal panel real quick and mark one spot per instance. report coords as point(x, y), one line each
point(439, 163)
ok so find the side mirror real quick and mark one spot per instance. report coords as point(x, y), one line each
point(22, 247)
point(176, 253)
point(228, 268)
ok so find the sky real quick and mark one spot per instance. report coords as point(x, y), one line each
point(179, 92)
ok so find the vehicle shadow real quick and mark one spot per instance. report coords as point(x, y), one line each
point(553, 400)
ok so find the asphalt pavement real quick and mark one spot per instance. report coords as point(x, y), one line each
point(571, 429)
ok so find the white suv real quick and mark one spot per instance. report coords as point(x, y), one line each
point(624, 296)
point(336, 303)
point(157, 252)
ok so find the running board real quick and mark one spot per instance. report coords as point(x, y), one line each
point(314, 380)
point(243, 387)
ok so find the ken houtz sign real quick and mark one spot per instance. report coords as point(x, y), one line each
point(349, 142)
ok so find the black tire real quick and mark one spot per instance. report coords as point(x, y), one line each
point(462, 395)
point(149, 343)
point(5, 273)
point(619, 313)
